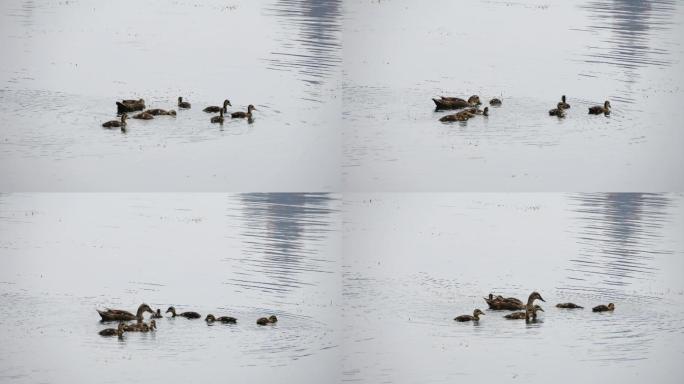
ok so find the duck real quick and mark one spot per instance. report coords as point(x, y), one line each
point(445, 102)
point(130, 105)
point(157, 315)
point(460, 116)
point(141, 327)
point(474, 100)
point(242, 115)
point(118, 331)
point(222, 319)
point(143, 116)
point(499, 303)
point(218, 119)
point(529, 308)
point(521, 315)
point(214, 108)
point(597, 109)
point(183, 104)
point(604, 308)
point(474, 317)
point(187, 315)
point(121, 315)
point(568, 306)
point(563, 104)
point(558, 111)
point(267, 320)
point(159, 112)
point(495, 102)
point(116, 123)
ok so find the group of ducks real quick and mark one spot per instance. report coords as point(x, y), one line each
point(140, 326)
point(530, 309)
point(126, 106)
point(471, 107)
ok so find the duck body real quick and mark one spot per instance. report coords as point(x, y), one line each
point(474, 317)
point(523, 315)
point(143, 116)
point(504, 303)
point(267, 320)
point(495, 102)
point(558, 111)
point(460, 116)
point(242, 115)
point(221, 319)
point(141, 327)
point(568, 306)
point(121, 315)
point(160, 112)
point(116, 123)
point(187, 315)
point(183, 104)
point(130, 105)
point(113, 331)
point(597, 110)
point(214, 108)
point(450, 103)
point(218, 119)
point(563, 104)
point(604, 308)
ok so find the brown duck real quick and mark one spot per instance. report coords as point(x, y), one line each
point(160, 112)
point(568, 306)
point(187, 315)
point(222, 319)
point(214, 108)
point(445, 102)
point(529, 308)
point(267, 320)
point(118, 331)
point(558, 111)
point(218, 119)
point(597, 110)
point(242, 115)
point(120, 315)
point(501, 303)
point(130, 105)
point(116, 123)
point(183, 104)
point(522, 315)
point(495, 102)
point(157, 315)
point(143, 116)
point(604, 308)
point(474, 317)
point(141, 327)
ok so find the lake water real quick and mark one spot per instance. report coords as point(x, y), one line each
point(412, 262)
point(65, 63)
point(400, 54)
point(247, 256)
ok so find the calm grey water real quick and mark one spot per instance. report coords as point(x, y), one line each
point(412, 262)
point(400, 54)
point(66, 63)
point(63, 256)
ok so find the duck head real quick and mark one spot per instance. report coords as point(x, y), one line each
point(158, 313)
point(226, 103)
point(611, 306)
point(485, 112)
point(477, 312)
point(172, 310)
point(210, 318)
point(272, 319)
point(606, 105)
point(180, 100)
point(143, 308)
point(251, 108)
point(535, 295)
point(563, 99)
point(172, 112)
point(474, 100)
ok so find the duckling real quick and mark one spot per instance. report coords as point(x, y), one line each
point(474, 317)
point(121, 315)
point(568, 306)
point(118, 331)
point(508, 303)
point(270, 320)
point(141, 327)
point(558, 111)
point(116, 123)
point(214, 109)
point(183, 104)
point(157, 315)
point(597, 110)
point(604, 308)
point(223, 319)
point(529, 308)
point(273, 319)
point(474, 100)
point(495, 102)
point(130, 105)
point(143, 116)
point(522, 315)
point(159, 112)
point(172, 112)
point(460, 116)
point(242, 115)
point(563, 104)
point(187, 315)
point(218, 119)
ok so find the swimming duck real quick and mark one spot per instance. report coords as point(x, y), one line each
point(157, 315)
point(597, 110)
point(474, 317)
point(558, 111)
point(529, 308)
point(130, 105)
point(183, 104)
point(218, 119)
point(460, 116)
point(568, 306)
point(116, 123)
point(264, 321)
point(118, 331)
point(187, 315)
point(508, 303)
point(242, 115)
point(120, 315)
point(223, 319)
point(445, 102)
point(495, 102)
point(141, 327)
point(143, 116)
point(214, 109)
point(474, 100)
point(604, 308)
point(563, 104)
point(160, 112)
point(522, 315)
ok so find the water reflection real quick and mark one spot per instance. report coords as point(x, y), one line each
point(630, 43)
point(619, 235)
point(310, 42)
point(280, 235)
